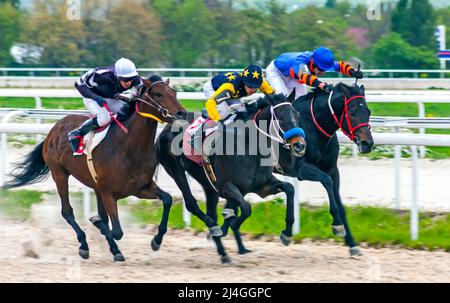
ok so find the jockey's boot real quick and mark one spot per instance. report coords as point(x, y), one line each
point(76, 134)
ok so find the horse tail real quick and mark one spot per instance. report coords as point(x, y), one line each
point(31, 169)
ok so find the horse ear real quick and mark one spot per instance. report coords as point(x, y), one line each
point(146, 82)
point(291, 97)
point(167, 81)
point(363, 89)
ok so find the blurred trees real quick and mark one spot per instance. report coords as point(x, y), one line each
point(415, 21)
point(59, 38)
point(392, 51)
point(217, 33)
point(188, 30)
point(14, 3)
point(9, 30)
point(128, 28)
point(320, 27)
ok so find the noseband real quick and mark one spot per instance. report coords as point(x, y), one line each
point(274, 126)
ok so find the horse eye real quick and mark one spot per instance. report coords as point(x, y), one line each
point(158, 95)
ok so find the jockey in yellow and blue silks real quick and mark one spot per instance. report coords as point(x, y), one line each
point(298, 69)
point(224, 91)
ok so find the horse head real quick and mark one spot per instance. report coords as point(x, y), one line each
point(355, 117)
point(284, 122)
point(158, 100)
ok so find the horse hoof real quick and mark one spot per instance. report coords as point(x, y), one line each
point(226, 261)
point(83, 253)
point(119, 258)
point(338, 230)
point(155, 246)
point(215, 231)
point(355, 251)
point(244, 251)
point(285, 239)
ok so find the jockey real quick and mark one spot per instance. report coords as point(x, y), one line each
point(296, 70)
point(100, 86)
point(224, 91)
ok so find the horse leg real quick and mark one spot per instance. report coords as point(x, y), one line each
point(102, 215)
point(101, 209)
point(308, 171)
point(212, 199)
point(229, 214)
point(231, 193)
point(275, 186)
point(153, 193)
point(109, 203)
point(179, 175)
point(61, 178)
point(354, 249)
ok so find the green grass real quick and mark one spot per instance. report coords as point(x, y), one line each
point(74, 103)
point(17, 204)
point(372, 225)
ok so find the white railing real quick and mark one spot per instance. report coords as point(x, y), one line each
point(208, 72)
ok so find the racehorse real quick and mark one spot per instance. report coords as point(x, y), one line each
point(237, 175)
point(321, 115)
point(125, 164)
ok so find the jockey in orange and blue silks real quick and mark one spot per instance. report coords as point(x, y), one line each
point(298, 69)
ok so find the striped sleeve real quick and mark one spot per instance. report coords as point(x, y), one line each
point(308, 79)
point(345, 68)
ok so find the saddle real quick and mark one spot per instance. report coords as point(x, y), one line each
point(98, 134)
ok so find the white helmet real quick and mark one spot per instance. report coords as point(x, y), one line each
point(125, 68)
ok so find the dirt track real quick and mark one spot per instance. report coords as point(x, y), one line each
point(185, 257)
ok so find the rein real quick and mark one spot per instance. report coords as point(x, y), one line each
point(345, 114)
point(274, 125)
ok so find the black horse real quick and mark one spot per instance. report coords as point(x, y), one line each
point(238, 174)
point(321, 115)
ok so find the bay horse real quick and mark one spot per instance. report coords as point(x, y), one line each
point(237, 174)
point(321, 115)
point(125, 164)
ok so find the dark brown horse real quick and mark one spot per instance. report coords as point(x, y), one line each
point(125, 164)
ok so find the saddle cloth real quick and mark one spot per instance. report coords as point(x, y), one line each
point(91, 140)
point(193, 137)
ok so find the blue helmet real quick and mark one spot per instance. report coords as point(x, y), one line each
point(323, 59)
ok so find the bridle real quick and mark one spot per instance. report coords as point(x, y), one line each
point(274, 126)
point(345, 114)
point(153, 104)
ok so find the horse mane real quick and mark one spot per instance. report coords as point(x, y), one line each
point(316, 92)
point(267, 100)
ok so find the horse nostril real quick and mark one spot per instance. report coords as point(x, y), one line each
point(299, 148)
point(366, 146)
point(181, 114)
